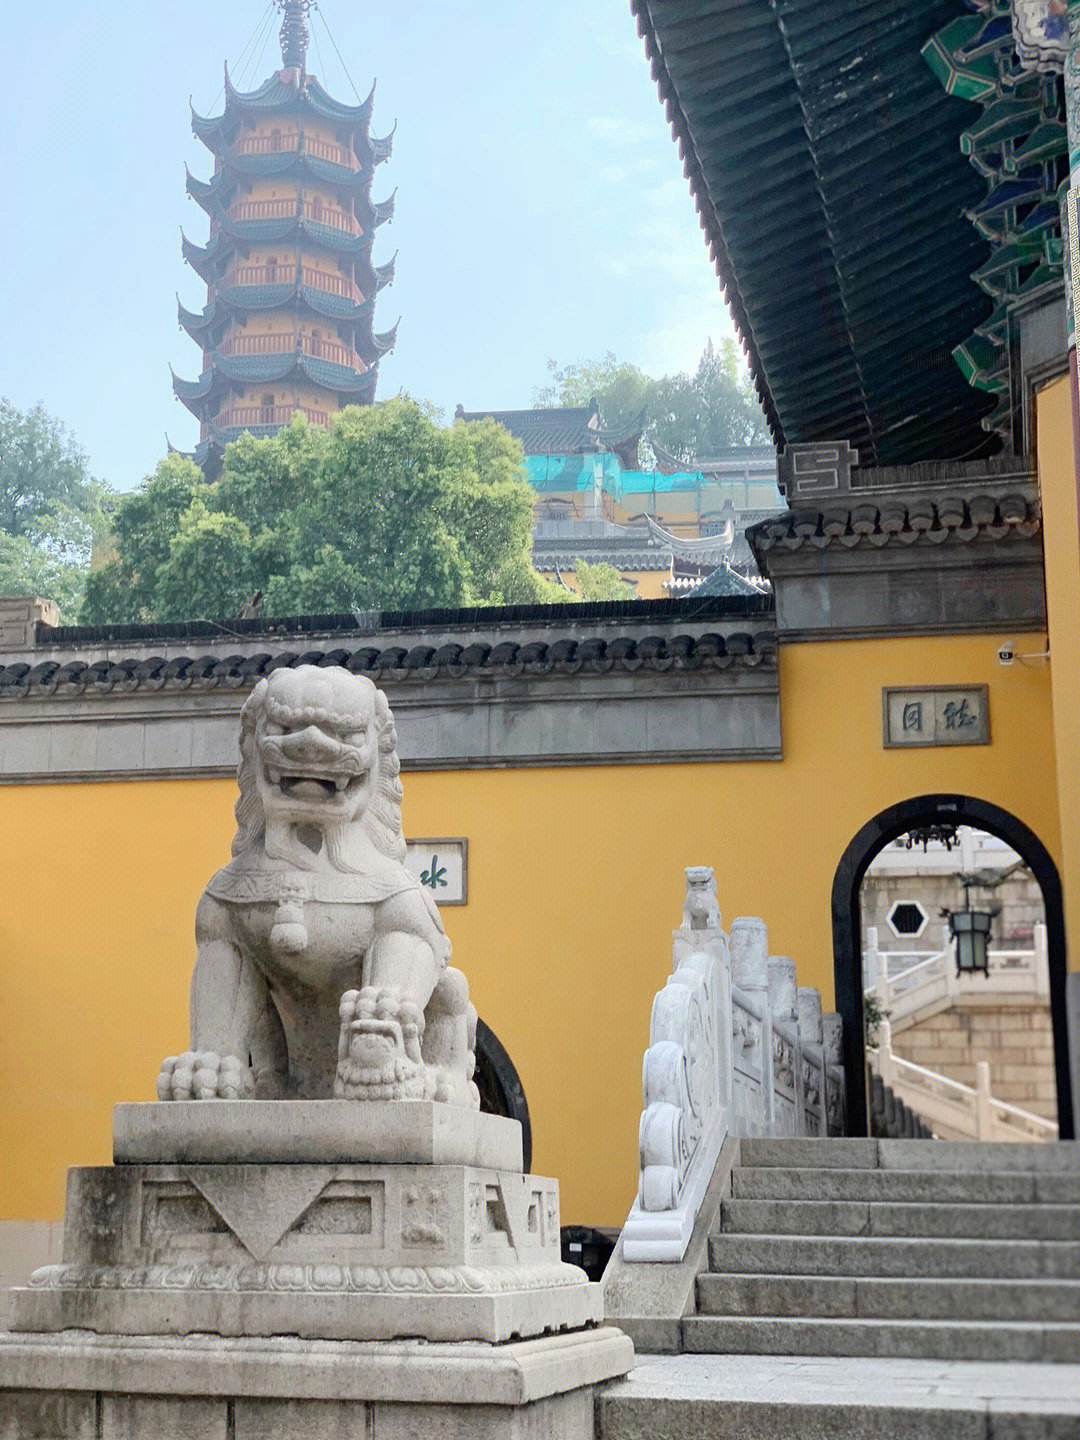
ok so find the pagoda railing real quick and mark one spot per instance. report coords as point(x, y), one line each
point(286, 275)
point(282, 342)
point(293, 141)
point(286, 209)
point(257, 416)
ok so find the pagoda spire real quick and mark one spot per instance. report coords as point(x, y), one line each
point(295, 35)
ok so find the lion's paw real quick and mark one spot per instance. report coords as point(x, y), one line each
point(204, 1075)
point(380, 1048)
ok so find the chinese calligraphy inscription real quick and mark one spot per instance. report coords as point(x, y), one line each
point(937, 715)
point(442, 867)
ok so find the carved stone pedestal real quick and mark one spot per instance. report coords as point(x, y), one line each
point(428, 1276)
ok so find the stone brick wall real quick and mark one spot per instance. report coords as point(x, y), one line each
point(1011, 1032)
point(1019, 897)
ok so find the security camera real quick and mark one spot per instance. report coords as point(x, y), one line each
point(1006, 652)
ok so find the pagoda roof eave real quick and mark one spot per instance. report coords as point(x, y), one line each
point(286, 165)
point(226, 370)
point(233, 233)
point(285, 92)
point(248, 299)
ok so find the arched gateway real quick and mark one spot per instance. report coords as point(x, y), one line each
point(886, 826)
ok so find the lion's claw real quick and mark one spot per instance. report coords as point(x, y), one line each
point(379, 1052)
point(204, 1075)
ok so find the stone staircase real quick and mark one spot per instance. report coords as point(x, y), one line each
point(866, 1247)
point(878, 1288)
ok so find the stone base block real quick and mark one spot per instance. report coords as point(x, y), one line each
point(339, 1252)
point(436, 1305)
point(313, 1132)
point(87, 1387)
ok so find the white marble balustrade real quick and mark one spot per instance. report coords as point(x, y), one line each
point(736, 1048)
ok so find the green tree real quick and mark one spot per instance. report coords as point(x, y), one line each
point(51, 508)
point(691, 416)
point(145, 524)
point(621, 389)
point(385, 510)
point(601, 582)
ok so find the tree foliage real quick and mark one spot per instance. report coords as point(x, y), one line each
point(601, 582)
point(690, 415)
point(51, 509)
point(385, 510)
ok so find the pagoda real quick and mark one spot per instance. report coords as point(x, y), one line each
point(287, 327)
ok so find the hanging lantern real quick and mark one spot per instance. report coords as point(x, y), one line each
point(971, 931)
point(927, 835)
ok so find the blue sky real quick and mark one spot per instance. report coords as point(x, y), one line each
point(541, 209)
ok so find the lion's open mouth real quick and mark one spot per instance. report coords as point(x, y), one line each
point(314, 787)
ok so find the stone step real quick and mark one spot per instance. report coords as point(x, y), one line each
point(884, 1218)
point(986, 1340)
point(721, 1397)
point(774, 1182)
point(956, 1155)
point(851, 1297)
point(843, 1255)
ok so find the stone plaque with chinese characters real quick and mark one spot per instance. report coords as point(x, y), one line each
point(442, 867)
point(937, 715)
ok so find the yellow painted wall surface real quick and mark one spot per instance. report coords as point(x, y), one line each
point(575, 884)
point(648, 584)
point(1057, 482)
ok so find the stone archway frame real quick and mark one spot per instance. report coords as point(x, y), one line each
point(501, 1090)
point(886, 826)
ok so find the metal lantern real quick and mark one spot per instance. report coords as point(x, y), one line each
point(971, 931)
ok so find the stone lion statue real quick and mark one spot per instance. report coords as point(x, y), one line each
point(316, 931)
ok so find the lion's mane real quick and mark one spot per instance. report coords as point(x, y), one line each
point(382, 818)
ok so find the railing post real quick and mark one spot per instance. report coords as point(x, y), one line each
point(883, 990)
point(984, 1110)
point(1042, 961)
point(872, 960)
point(886, 1068)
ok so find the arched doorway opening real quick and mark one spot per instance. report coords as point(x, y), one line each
point(501, 1090)
point(926, 810)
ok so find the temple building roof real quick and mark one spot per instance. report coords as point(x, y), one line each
point(564, 430)
point(795, 123)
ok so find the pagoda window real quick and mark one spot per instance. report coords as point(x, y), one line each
point(271, 269)
point(267, 409)
point(275, 139)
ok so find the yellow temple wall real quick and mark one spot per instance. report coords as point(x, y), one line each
point(575, 883)
point(285, 255)
point(1061, 539)
point(648, 584)
point(284, 393)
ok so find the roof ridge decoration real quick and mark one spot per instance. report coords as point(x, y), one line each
point(507, 659)
point(1008, 58)
point(863, 518)
point(295, 35)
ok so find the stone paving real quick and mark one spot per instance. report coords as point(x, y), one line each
point(714, 1397)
